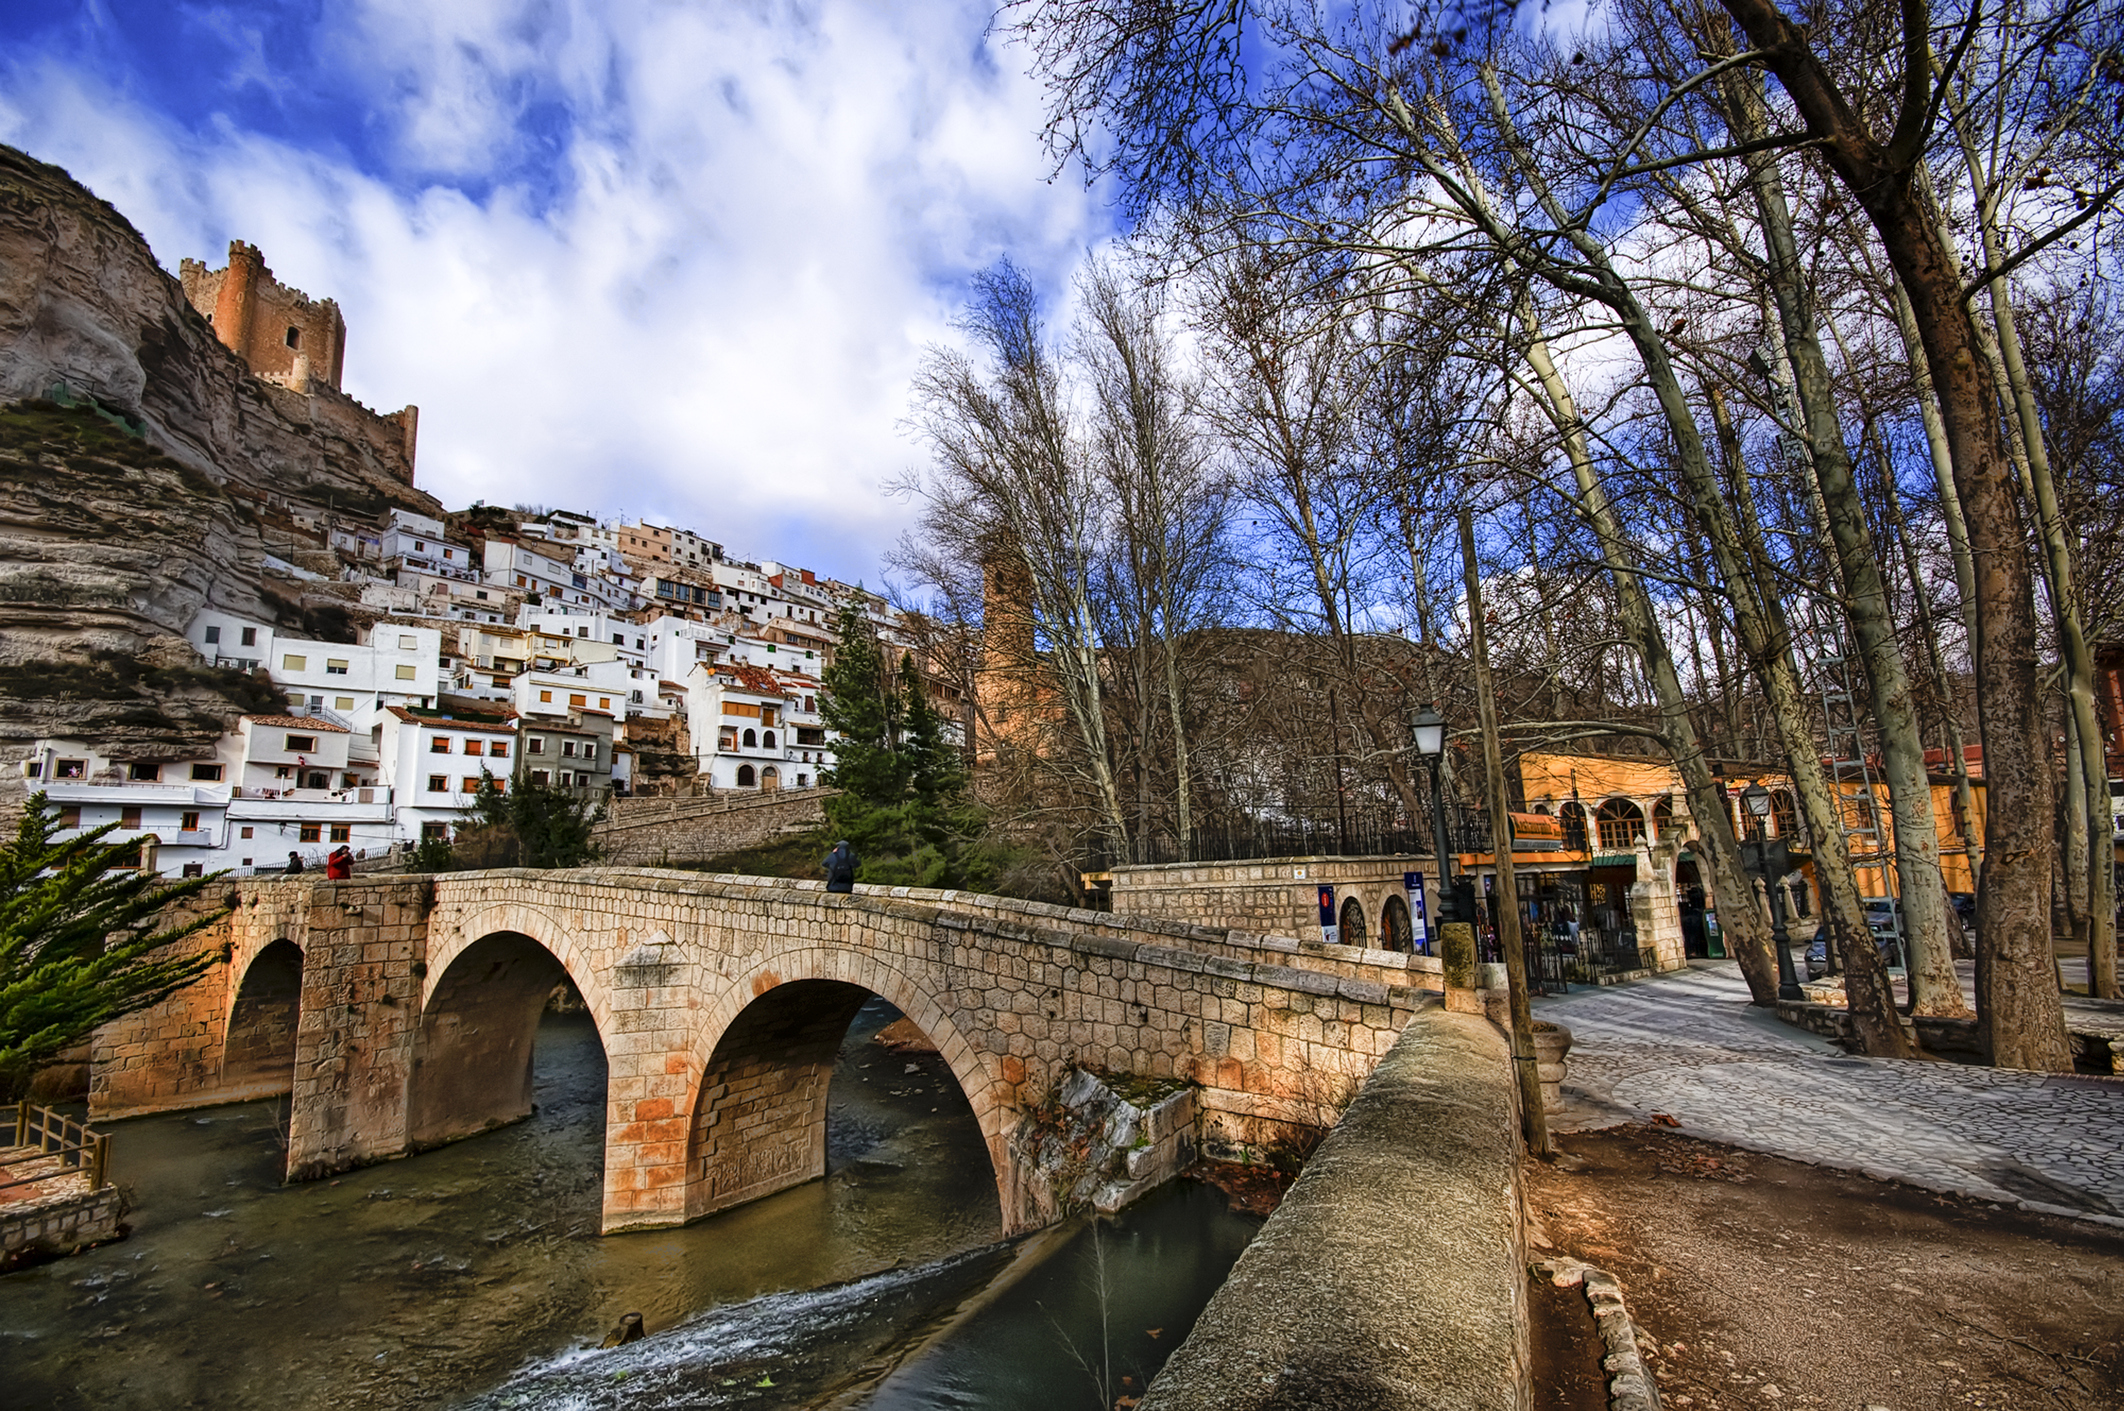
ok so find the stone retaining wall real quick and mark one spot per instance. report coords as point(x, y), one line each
point(59, 1224)
point(675, 832)
point(1279, 895)
point(1392, 1275)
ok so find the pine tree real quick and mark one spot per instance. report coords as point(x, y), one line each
point(868, 767)
point(79, 940)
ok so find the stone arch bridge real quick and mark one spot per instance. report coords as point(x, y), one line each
point(399, 1013)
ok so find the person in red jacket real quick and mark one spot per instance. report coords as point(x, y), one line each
point(340, 865)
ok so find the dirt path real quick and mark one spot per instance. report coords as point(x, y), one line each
point(1767, 1283)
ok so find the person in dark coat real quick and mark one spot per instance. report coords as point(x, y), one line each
point(294, 867)
point(841, 868)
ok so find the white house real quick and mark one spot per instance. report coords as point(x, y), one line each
point(435, 759)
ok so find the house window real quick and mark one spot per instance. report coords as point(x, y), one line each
point(144, 771)
point(294, 663)
point(437, 832)
point(334, 666)
point(745, 776)
point(475, 748)
point(499, 749)
point(188, 821)
point(245, 831)
point(129, 817)
point(540, 776)
point(72, 768)
point(318, 779)
point(405, 673)
point(752, 740)
point(249, 636)
point(536, 744)
point(206, 773)
point(582, 631)
point(294, 338)
point(342, 832)
point(545, 697)
point(70, 816)
point(302, 744)
point(310, 833)
point(419, 547)
point(604, 702)
point(589, 749)
point(213, 636)
point(439, 745)
point(471, 784)
point(407, 644)
point(568, 749)
point(619, 639)
point(578, 702)
point(438, 784)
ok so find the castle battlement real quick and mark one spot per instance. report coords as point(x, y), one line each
point(292, 341)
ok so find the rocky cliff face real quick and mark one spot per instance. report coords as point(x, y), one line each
point(142, 469)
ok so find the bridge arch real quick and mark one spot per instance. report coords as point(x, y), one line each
point(757, 1121)
point(265, 1004)
point(481, 999)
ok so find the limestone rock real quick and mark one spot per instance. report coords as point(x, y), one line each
point(142, 469)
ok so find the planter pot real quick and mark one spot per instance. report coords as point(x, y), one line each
point(1551, 1043)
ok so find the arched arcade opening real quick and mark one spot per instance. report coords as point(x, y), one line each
point(473, 1057)
point(258, 1052)
point(814, 1073)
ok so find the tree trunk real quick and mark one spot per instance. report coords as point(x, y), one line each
point(1934, 988)
point(2089, 875)
point(2018, 1007)
point(1745, 927)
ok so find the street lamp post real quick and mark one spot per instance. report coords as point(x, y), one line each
point(1770, 859)
point(1428, 728)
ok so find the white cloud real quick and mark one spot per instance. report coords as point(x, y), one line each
point(706, 306)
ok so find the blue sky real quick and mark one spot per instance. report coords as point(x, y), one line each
point(674, 258)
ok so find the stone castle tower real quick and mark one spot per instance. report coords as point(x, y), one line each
point(291, 340)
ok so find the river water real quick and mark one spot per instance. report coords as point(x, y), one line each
point(475, 1272)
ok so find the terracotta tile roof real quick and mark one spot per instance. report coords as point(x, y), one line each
point(757, 679)
point(496, 725)
point(323, 727)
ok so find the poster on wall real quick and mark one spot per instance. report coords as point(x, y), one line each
point(1419, 915)
point(1329, 931)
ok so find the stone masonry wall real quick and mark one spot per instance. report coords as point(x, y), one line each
point(363, 964)
point(59, 1224)
point(661, 832)
point(1274, 896)
point(1402, 1241)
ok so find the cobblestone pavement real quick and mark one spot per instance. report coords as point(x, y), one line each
point(1690, 1046)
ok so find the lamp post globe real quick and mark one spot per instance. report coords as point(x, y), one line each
point(1428, 729)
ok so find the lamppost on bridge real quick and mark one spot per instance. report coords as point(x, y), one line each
point(1428, 728)
point(1770, 859)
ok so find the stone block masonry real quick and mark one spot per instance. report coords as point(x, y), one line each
point(1391, 1276)
point(720, 1000)
point(58, 1224)
point(676, 832)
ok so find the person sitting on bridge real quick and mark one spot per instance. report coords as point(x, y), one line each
point(841, 868)
point(294, 867)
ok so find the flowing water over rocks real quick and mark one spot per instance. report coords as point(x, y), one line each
point(426, 1281)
